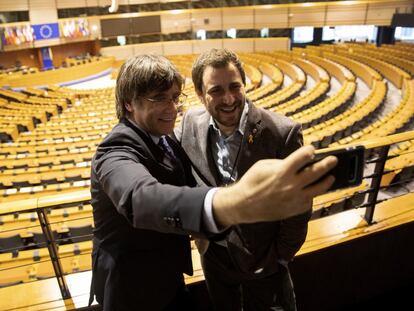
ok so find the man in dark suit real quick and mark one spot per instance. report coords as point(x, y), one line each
point(248, 269)
point(143, 204)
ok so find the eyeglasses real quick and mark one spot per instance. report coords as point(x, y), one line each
point(165, 100)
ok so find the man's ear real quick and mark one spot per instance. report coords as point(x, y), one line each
point(129, 107)
point(200, 95)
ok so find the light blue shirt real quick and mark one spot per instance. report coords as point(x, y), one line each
point(226, 149)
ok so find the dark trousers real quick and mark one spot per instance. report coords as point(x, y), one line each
point(231, 290)
point(182, 301)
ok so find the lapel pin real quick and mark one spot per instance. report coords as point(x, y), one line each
point(250, 139)
point(251, 136)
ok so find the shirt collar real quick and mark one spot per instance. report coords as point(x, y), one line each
point(242, 123)
point(154, 138)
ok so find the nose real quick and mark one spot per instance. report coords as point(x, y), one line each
point(228, 98)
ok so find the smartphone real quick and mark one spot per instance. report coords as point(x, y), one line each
point(350, 167)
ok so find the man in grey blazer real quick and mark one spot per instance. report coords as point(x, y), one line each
point(145, 204)
point(248, 269)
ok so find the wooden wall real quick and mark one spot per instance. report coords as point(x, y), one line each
point(27, 57)
point(60, 52)
point(31, 57)
point(197, 46)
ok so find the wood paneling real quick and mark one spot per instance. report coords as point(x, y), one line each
point(271, 17)
point(208, 19)
point(196, 46)
point(172, 23)
point(238, 18)
point(240, 45)
point(26, 57)
point(43, 16)
point(60, 52)
point(381, 13)
point(63, 4)
point(119, 52)
point(178, 47)
point(272, 44)
point(156, 48)
point(92, 3)
point(42, 4)
point(346, 14)
point(310, 15)
point(15, 5)
point(205, 45)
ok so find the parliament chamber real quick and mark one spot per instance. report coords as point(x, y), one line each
point(359, 246)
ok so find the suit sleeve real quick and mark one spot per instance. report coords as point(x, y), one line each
point(145, 202)
point(293, 231)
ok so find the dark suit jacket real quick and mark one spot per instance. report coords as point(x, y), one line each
point(142, 221)
point(267, 135)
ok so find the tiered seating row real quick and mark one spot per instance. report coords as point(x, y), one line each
point(344, 124)
point(310, 96)
point(391, 122)
point(328, 108)
point(389, 71)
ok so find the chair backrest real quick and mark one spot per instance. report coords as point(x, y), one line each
point(79, 234)
point(11, 244)
point(40, 240)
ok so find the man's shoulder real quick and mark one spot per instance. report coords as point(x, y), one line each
point(195, 112)
point(119, 131)
point(122, 136)
point(195, 116)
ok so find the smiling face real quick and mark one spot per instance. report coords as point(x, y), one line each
point(224, 96)
point(153, 113)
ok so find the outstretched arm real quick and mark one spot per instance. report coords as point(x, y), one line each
point(253, 198)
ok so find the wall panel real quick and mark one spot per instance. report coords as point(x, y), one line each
point(197, 46)
point(43, 11)
point(178, 47)
point(205, 45)
point(237, 18)
point(381, 13)
point(271, 17)
point(307, 16)
point(104, 3)
point(14, 5)
point(240, 45)
point(64, 4)
point(119, 52)
point(209, 19)
point(172, 23)
point(147, 48)
point(346, 14)
point(61, 52)
point(271, 44)
point(92, 3)
point(27, 57)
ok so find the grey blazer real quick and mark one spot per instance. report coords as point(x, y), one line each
point(254, 247)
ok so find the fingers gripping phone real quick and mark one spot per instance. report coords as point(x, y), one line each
point(350, 168)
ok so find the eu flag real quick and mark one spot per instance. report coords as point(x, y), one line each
point(46, 31)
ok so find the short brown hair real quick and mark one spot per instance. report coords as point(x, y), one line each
point(217, 58)
point(142, 75)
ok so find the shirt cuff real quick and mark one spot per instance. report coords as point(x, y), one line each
point(208, 218)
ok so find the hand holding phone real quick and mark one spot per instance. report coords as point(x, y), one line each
point(350, 167)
